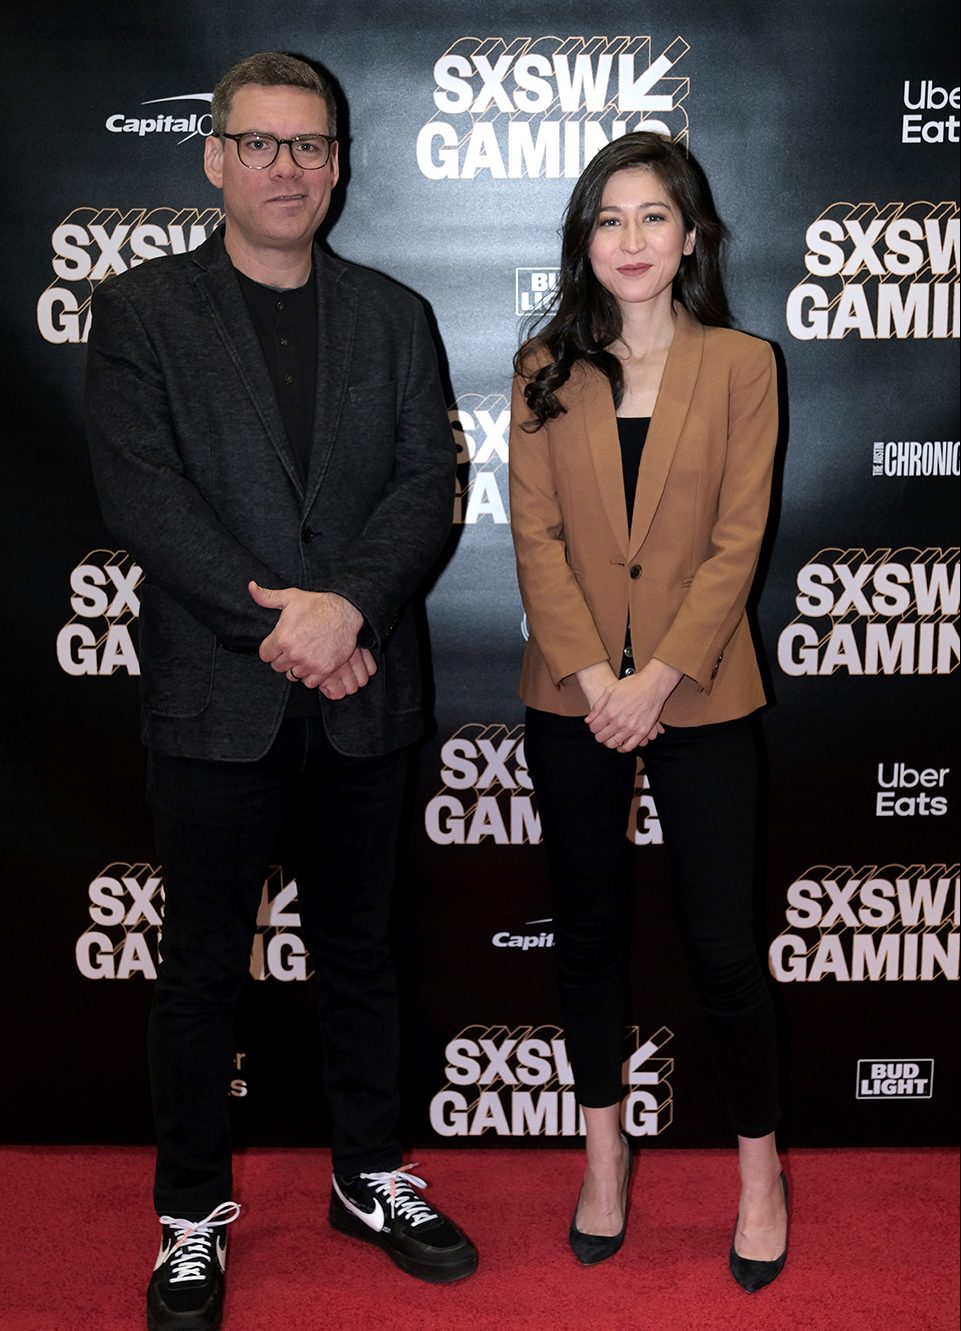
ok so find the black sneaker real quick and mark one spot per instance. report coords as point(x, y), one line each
point(186, 1291)
point(383, 1208)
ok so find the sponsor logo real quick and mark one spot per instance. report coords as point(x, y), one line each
point(879, 271)
point(92, 243)
point(918, 125)
point(374, 1218)
point(479, 422)
point(888, 612)
point(238, 1088)
point(96, 640)
point(896, 922)
point(525, 941)
point(188, 121)
point(487, 791)
point(903, 791)
point(519, 1083)
point(644, 826)
point(911, 457)
point(533, 288)
point(126, 917)
point(543, 106)
point(895, 1081)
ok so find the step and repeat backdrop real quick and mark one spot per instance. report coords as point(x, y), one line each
point(830, 135)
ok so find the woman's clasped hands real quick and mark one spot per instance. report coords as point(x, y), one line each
point(625, 713)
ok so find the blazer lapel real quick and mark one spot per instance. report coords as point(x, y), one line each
point(670, 412)
point(336, 327)
point(235, 327)
point(600, 425)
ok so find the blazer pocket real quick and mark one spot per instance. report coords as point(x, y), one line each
point(176, 657)
point(400, 665)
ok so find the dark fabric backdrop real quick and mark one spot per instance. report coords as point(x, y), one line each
point(830, 135)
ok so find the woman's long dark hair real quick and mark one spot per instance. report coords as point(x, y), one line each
point(583, 317)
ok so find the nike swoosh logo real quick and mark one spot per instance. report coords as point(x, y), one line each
point(221, 1249)
point(374, 1219)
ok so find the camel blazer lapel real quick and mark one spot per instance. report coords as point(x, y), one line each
point(670, 413)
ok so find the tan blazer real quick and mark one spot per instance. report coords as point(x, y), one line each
point(685, 568)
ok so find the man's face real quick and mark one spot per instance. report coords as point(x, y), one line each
point(280, 207)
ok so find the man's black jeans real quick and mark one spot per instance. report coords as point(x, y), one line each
point(217, 827)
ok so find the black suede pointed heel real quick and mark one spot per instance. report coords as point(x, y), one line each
point(753, 1275)
point(589, 1249)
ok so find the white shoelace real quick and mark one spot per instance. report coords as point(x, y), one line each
point(398, 1187)
point(190, 1255)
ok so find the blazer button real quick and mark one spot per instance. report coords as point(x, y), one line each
point(307, 535)
point(636, 570)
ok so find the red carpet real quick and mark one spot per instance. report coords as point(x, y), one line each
point(874, 1245)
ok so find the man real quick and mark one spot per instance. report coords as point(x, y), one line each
point(270, 441)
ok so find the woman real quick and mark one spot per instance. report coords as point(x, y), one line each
point(642, 441)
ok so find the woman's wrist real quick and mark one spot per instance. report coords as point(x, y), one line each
point(594, 680)
point(664, 678)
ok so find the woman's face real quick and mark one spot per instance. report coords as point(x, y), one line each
point(639, 239)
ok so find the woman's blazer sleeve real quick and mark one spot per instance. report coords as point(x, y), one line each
point(714, 603)
point(557, 614)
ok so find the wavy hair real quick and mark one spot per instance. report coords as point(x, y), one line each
point(583, 317)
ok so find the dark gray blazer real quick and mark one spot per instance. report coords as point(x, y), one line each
point(197, 479)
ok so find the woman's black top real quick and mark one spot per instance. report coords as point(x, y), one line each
point(631, 432)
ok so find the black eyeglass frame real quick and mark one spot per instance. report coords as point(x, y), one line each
point(329, 139)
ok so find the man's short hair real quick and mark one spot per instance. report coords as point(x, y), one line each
point(269, 69)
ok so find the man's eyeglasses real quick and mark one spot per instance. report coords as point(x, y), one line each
point(258, 151)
